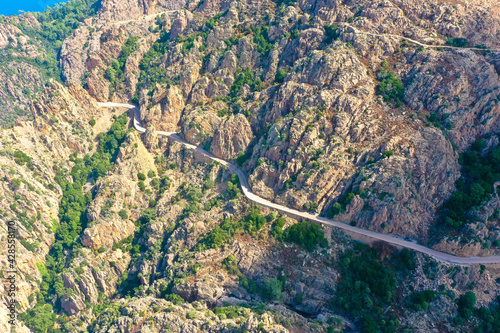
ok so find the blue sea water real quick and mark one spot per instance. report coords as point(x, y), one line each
point(12, 7)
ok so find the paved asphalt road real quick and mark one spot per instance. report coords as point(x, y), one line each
point(247, 191)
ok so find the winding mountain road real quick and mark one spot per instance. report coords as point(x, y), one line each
point(247, 191)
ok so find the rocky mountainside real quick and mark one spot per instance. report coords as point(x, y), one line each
point(381, 114)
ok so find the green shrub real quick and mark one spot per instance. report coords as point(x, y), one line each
point(388, 153)
point(242, 157)
point(285, 2)
point(466, 305)
point(41, 318)
point(248, 284)
point(116, 71)
point(261, 39)
point(16, 182)
point(420, 300)
point(247, 77)
point(123, 214)
point(310, 206)
point(223, 112)
point(92, 122)
point(489, 318)
point(366, 285)
point(231, 265)
point(332, 32)
point(457, 42)
point(28, 246)
point(151, 174)
point(278, 228)
point(390, 86)
point(336, 209)
point(174, 298)
point(21, 158)
point(474, 187)
point(280, 76)
point(141, 176)
point(307, 235)
point(272, 290)
point(191, 315)
point(230, 312)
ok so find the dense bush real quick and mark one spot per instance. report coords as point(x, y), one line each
point(280, 75)
point(457, 42)
point(225, 232)
point(390, 86)
point(489, 318)
point(123, 214)
point(261, 39)
point(466, 303)
point(272, 289)
point(310, 206)
point(230, 312)
point(41, 318)
point(233, 190)
point(332, 33)
point(474, 187)
point(339, 207)
point(278, 228)
point(219, 236)
point(246, 77)
point(21, 158)
point(420, 300)
point(307, 235)
point(366, 289)
point(285, 2)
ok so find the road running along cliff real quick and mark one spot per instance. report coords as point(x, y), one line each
point(247, 191)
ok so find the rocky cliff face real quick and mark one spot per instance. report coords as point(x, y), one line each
point(292, 92)
point(31, 152)
point(21, 80)
point(318, 129)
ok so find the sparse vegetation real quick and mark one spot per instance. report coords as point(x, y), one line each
point(116, 71)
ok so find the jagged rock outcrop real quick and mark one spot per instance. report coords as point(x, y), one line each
point(177, 318)
point(106, 232)
point(166, 109)
point(151, 138)
point(30, 193)
point(89, 276)
point(232, 137)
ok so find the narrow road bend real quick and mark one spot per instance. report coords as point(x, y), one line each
point(247, 191)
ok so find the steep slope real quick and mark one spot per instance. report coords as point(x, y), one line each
point(323, 106)
point(316, 133)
